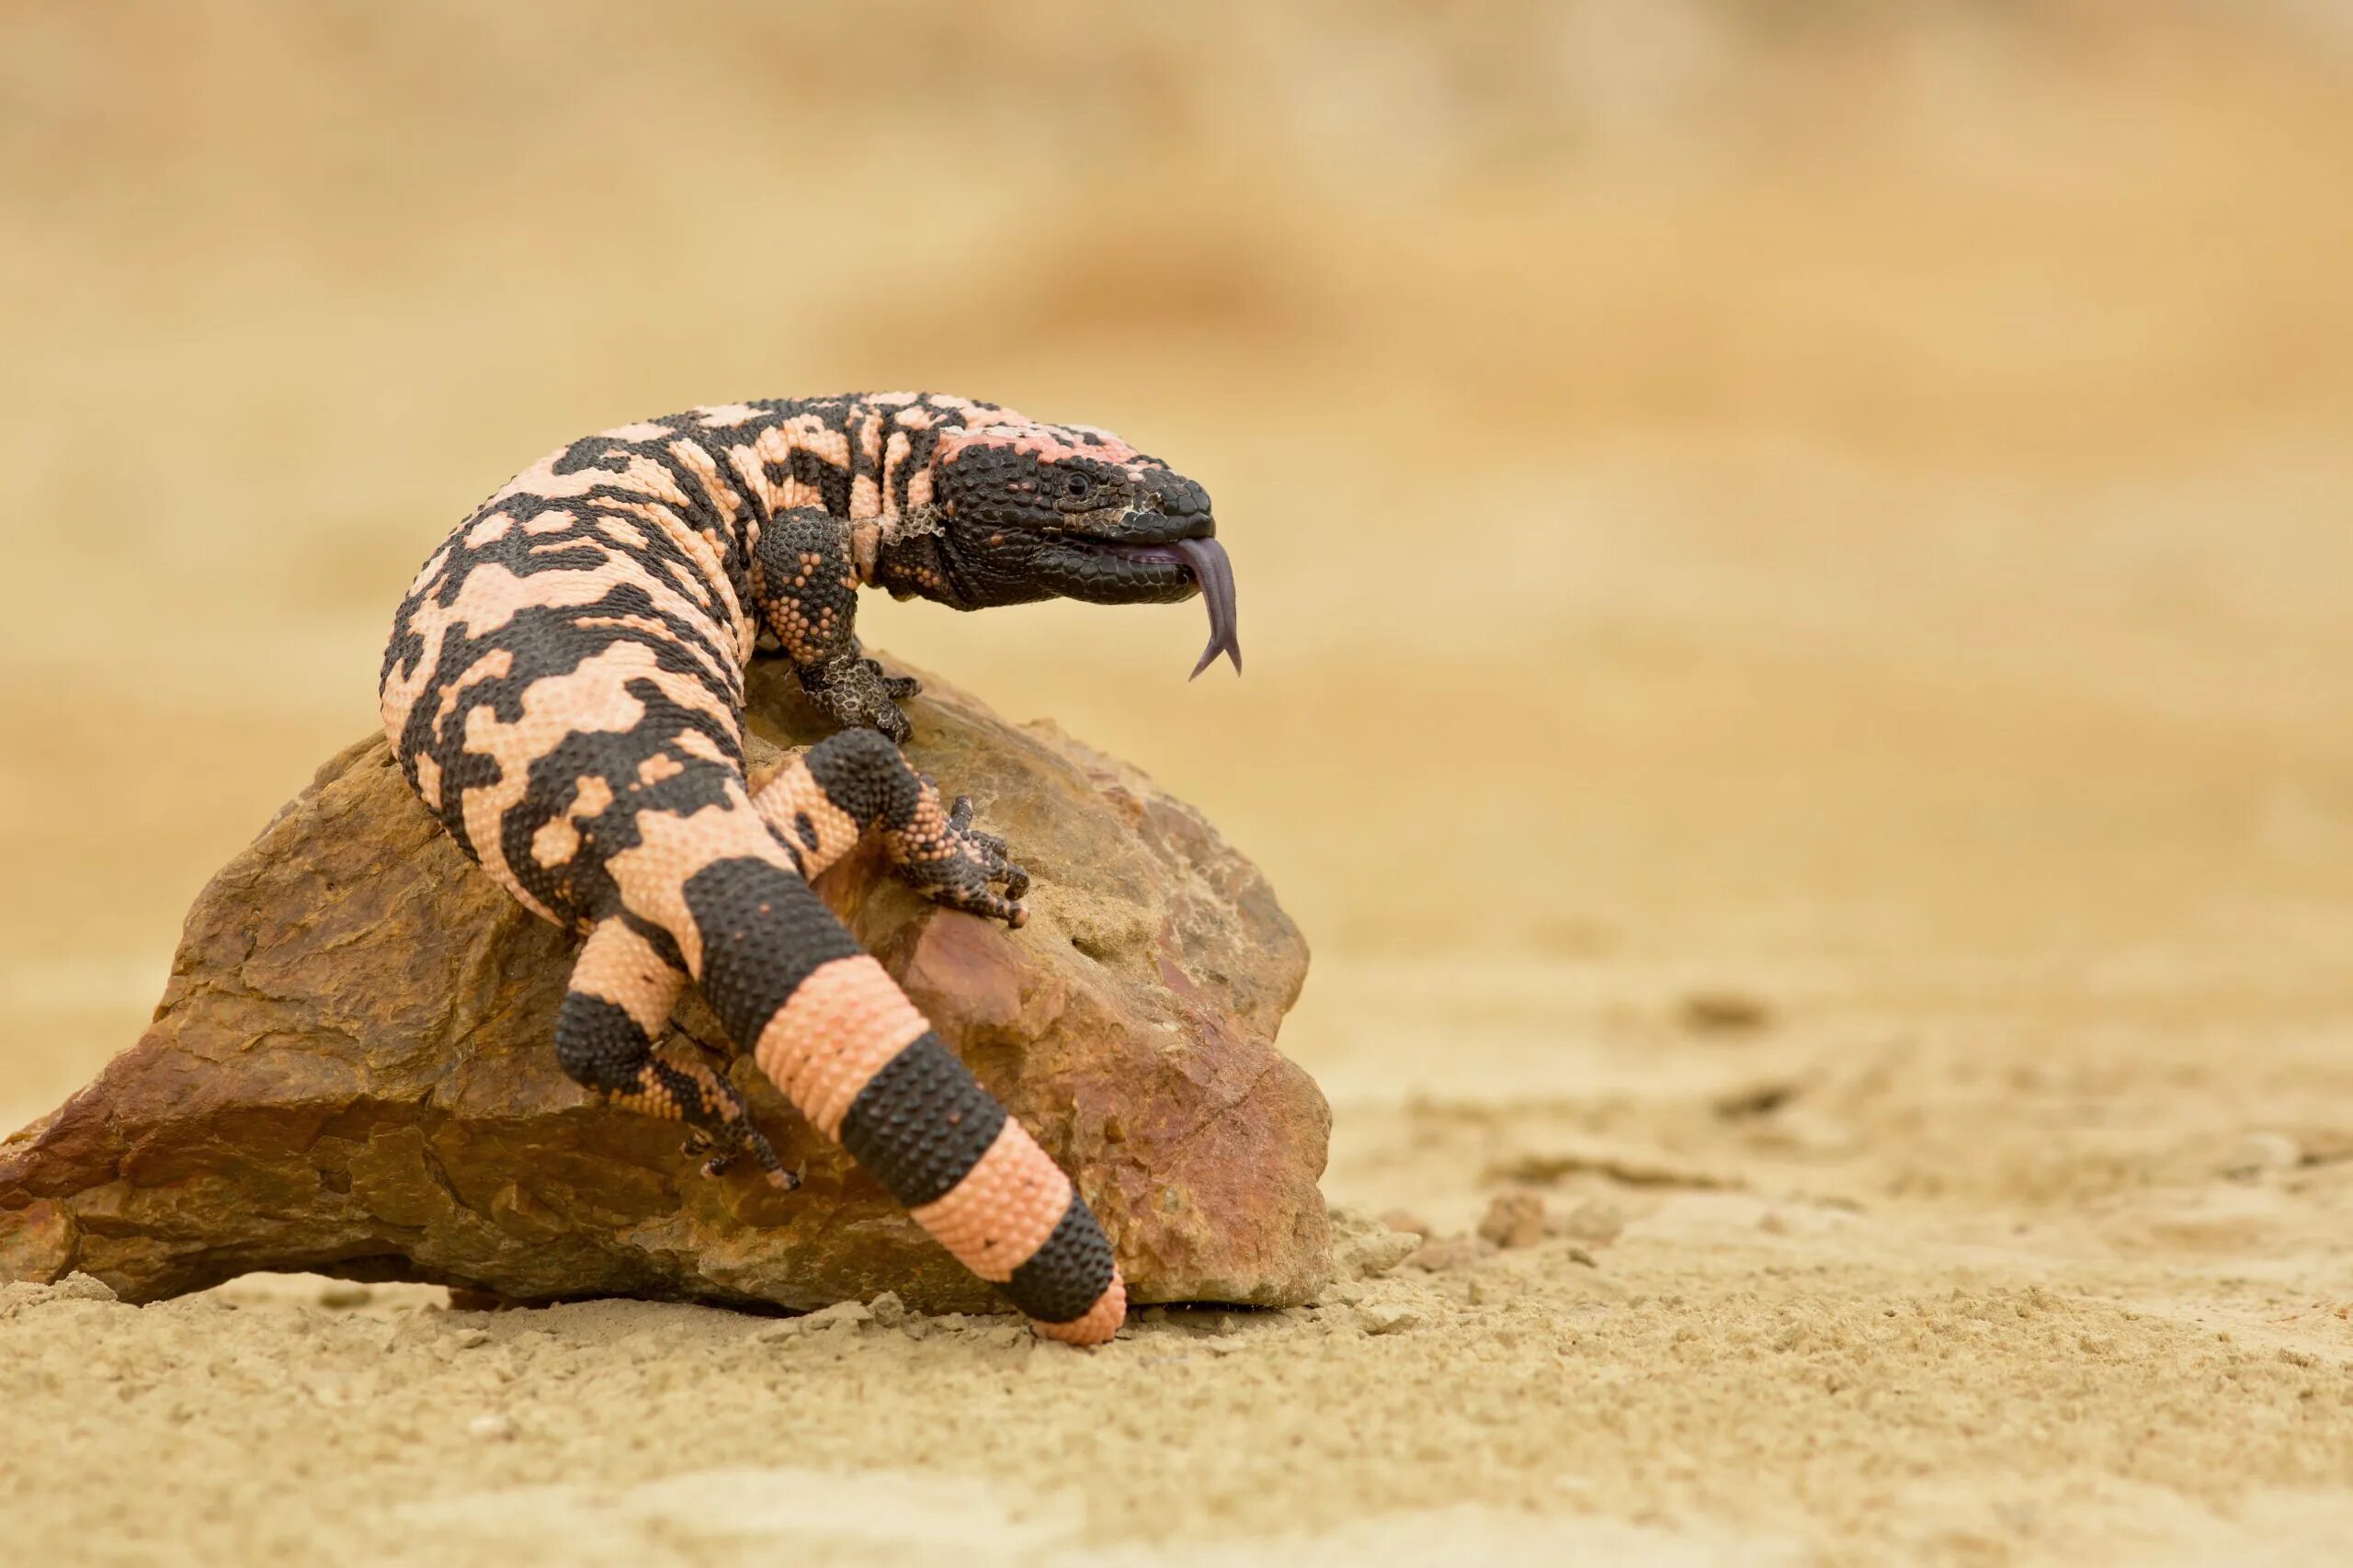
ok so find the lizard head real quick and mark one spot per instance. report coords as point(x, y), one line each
point(1027, 511)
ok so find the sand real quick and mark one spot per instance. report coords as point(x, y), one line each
point(1796, 590)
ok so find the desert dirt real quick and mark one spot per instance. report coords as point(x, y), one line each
point(1798, 585)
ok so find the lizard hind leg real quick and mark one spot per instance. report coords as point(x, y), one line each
point(616, 1008)
point(822, 802)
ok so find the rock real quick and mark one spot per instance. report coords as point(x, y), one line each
point(1406, 1219)
point(1364, 1248)
point(2260, 1154)
point(1440, 1255)
point(1597, 1220)
point(82, 1286)
point(493, 1428)
point(350, 1072)
point(851, 1313)
point(1388, 1317)
point(1514, 1220)
point(1724, 1012)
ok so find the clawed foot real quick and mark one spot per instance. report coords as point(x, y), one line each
point(701, 1145)
point(898, 689)
point(858, 693)
point(719, 1124)
point(949, 861)
point(720, 1148)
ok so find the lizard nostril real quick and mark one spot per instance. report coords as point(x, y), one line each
point(1178, 497)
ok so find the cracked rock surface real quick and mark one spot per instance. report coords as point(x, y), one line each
point(351, 1071)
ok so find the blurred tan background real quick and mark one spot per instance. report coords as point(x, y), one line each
point(1713, 485)
point(1846, 507)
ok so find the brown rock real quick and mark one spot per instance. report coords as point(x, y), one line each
point(1441, 1253)
point(351, 1070)
point(1514, 1220)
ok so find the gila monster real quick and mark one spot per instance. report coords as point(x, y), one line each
point(564, 691)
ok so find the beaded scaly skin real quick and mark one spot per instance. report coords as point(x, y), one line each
point(564, 689)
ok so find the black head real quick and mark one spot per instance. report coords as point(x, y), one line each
point(1021, 512)
point(1032, 512)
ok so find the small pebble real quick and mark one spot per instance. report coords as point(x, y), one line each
point(1365, 1248)
point(1597, 1220)
point(849, 1313)
point(1514, 1220)
point(79, 1287)
point(1724, 1012)
point(887, 1309)
point(1453, 1251)
point(491, 1428)
point(1388, 1317)
point(1408, 1221)
point(343, 1295)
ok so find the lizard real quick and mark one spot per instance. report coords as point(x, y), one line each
point(563, 689)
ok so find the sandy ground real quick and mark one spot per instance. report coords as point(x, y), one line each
point(1800, 611)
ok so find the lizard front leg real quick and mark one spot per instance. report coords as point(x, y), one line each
point(824, 800)
point(807, 594)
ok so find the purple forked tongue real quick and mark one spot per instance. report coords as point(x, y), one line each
point(1206, 558)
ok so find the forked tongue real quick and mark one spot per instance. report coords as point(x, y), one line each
point(1215, 574)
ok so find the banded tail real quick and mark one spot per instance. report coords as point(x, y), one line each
point(728, 887)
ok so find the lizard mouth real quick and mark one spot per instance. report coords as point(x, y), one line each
point(1206, 560)
point(1160, 571)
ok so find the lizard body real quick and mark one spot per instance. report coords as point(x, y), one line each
point(564, 689)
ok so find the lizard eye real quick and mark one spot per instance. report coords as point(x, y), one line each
point(1077, 487)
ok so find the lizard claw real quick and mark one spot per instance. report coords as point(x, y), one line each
point(963, 868)
point(898, 689)
point(855, 694)
point(719, 1145)
point(960, 821)
point(991, 852)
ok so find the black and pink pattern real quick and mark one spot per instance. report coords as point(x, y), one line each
point(564, 689)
